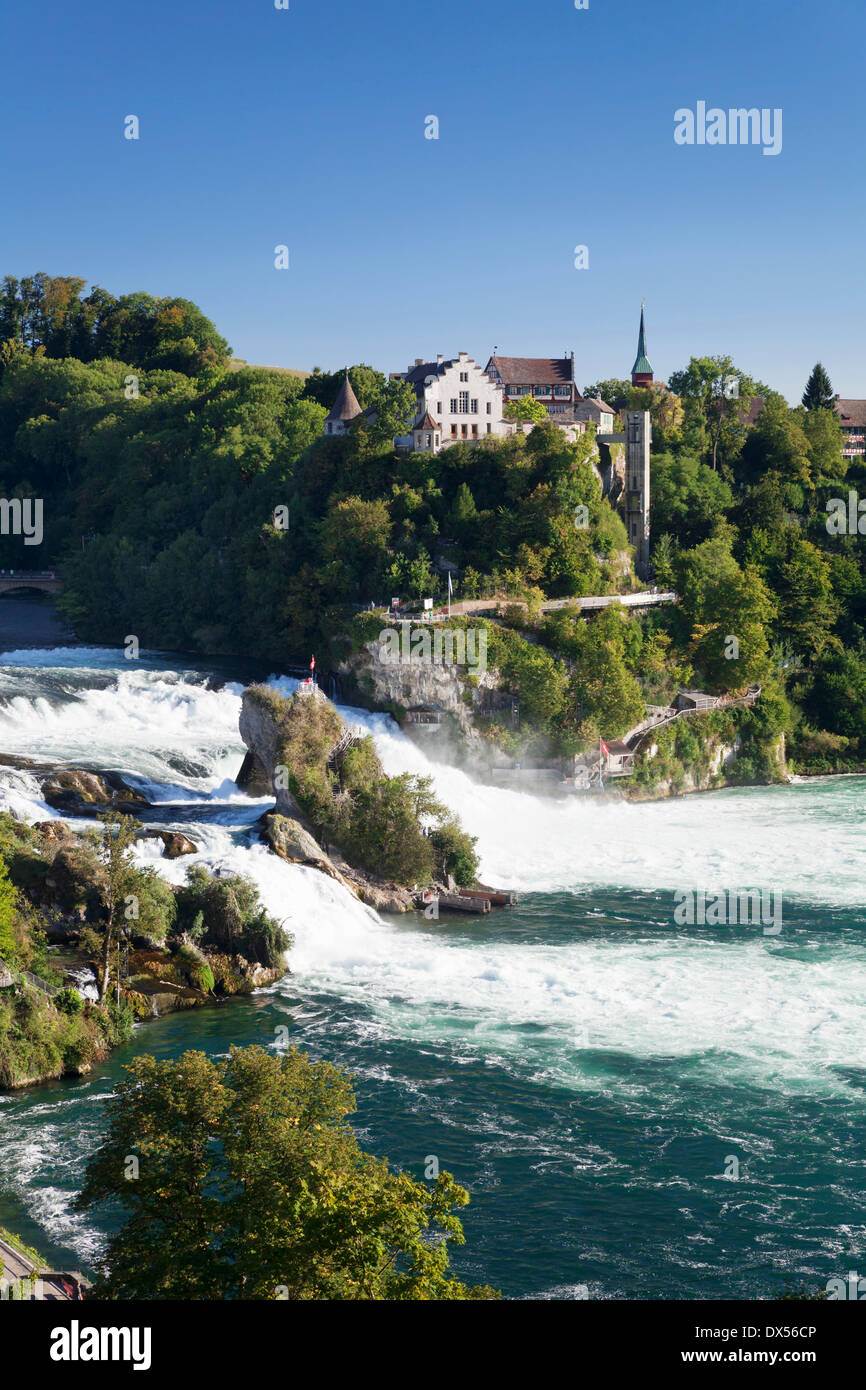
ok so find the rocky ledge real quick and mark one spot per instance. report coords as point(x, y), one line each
point(287, 830)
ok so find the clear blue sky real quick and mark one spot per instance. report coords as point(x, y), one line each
point(306, 127)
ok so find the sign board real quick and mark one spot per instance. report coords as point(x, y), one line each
point(428, 604)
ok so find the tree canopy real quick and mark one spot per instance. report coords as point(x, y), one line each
point(241, 1178)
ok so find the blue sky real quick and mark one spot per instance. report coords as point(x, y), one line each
point(306, 128)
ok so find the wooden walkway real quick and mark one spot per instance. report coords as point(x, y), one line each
point(649, 598)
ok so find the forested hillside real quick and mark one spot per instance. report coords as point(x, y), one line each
point(199, 508)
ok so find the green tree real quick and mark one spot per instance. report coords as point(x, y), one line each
point(808, 608)
point(118, 835)
point(819, 394)
point(721, 601)
point(688, 498)
point(525, 408)
point(251, 1185)
point(716, 398)
point(616, 392)
point(8, 911)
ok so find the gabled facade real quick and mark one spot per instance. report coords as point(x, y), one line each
point(596, 412)
point(852, 418)
point(457, 398)
point(549, 380)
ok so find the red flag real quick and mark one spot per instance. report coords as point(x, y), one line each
point(604, 748)
point(312, 663)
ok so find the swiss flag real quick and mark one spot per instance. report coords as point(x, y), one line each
point(604, 748)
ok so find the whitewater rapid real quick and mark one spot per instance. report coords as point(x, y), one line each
point(782, 1016)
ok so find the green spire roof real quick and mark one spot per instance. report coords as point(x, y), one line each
point(642, 363)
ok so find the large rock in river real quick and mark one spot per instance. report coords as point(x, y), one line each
point(73, 789)
point(175, 844)
point(289, 839)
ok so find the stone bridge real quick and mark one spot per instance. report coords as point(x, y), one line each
point(44, 581)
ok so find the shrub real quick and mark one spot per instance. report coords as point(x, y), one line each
point(68, 1001)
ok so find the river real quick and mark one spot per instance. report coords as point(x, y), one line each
point(638, 1109)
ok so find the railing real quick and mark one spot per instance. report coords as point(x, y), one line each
point(22, 576)
point(723, 702)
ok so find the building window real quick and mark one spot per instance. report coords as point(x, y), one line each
point(439, 407)
point(474, 406)
point(474, 431)
point(453, 405)
point(464, 430)
point(541, 390)
point(464, 402)
point(429, 440)
point(453, 431)
point(464, 376)
point(489, 429)
point(564, 392)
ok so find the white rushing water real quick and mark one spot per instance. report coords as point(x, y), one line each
point(778, 1015)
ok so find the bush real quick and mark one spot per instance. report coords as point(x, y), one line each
point(68, 1001)
point(454, 851)
point(232, 919)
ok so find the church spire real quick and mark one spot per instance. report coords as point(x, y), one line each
point(642, 372)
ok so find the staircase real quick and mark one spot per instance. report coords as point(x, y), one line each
point(351, 735)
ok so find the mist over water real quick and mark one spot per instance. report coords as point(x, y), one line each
point(579, 1062)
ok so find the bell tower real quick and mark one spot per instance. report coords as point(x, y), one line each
point(642, 372)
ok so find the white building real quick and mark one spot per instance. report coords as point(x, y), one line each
point(456, 401)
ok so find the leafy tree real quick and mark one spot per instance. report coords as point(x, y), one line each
point(615, 392)
point(714, 416)
point(324, 387)
point(721, 601)
point(118, 835)
point(252, 1185)
point(664, 557)
point(8, 910)
point(688, 498)
point(525, 408)
point(819, 394)
point(808, 608)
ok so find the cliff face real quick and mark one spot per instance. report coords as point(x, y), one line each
point(260, 734)
point(383, 683)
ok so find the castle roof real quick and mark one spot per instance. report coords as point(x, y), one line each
point(534, 371)
point(852, 413)
point(346, 405)
point(428, 423)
